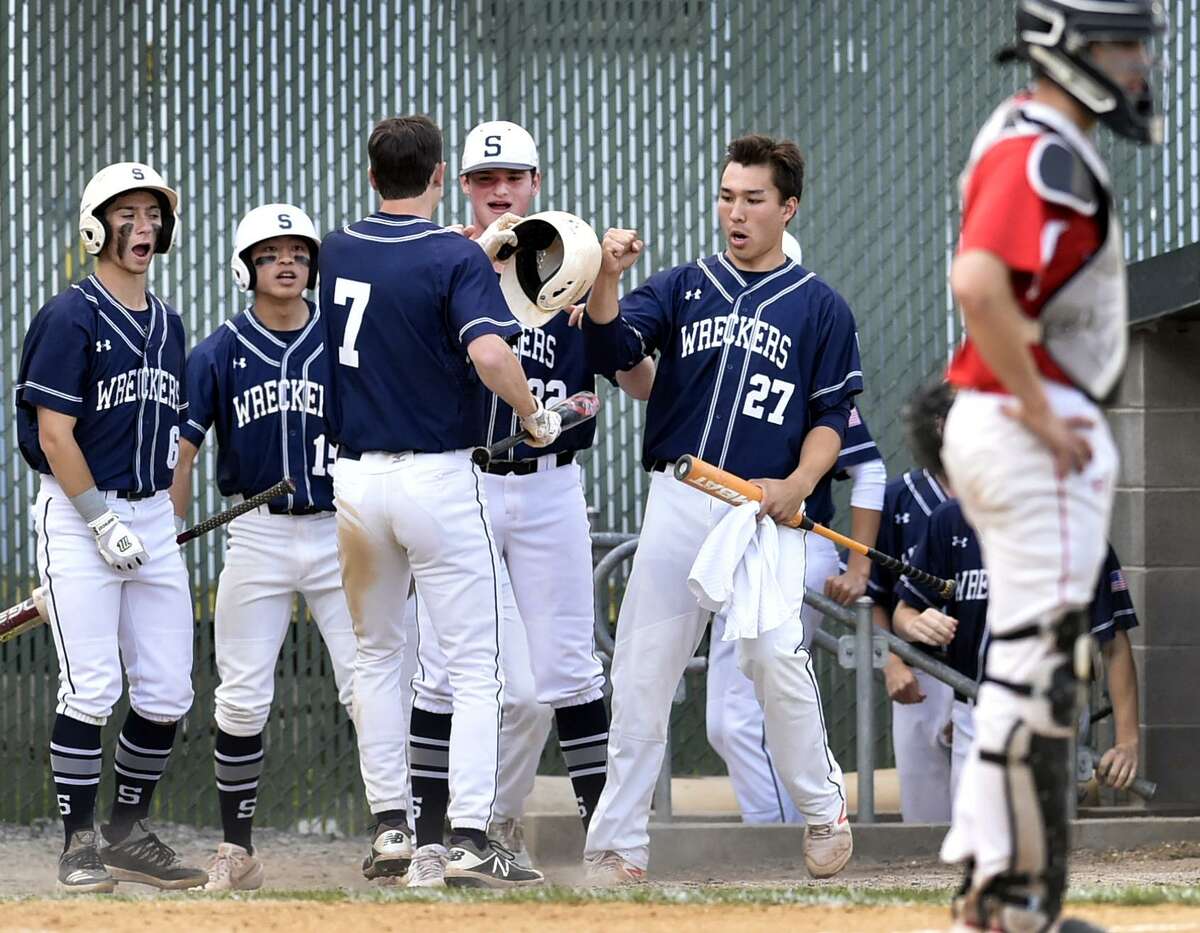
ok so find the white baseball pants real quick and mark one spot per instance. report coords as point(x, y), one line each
point(922, 752)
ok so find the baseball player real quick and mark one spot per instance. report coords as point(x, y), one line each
point(261, 379)
point(733, 717)
point(921, 704)
point(1039, 274)
point(758, 366)
point(536, 507)
point(420, 327)
point(950, 550)
point(99, 397)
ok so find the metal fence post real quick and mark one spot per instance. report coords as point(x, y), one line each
point(864, 683)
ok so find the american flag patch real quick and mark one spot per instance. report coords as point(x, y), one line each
point(855, 420)
point(1116, 580)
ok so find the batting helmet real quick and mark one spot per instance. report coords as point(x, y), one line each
point(264, 223)
point(498, 144)
point(1054, 36)
point(555, 262)
point(111, 182)
point(792, 250)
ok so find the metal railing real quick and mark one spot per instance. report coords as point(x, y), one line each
point(865, 651)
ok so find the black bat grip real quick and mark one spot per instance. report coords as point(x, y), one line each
point(216, 521)
point(481, 456)
point(944, 588)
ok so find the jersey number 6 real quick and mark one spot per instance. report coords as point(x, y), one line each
point(358, 294)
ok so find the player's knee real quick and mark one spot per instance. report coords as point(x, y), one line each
point(717, 731)
point(162, 702)
point(241, 719)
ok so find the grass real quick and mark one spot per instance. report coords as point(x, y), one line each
point(1134, 895)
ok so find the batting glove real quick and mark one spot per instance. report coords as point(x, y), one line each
point(499, 233)
point(120, 547)
point(543, 426)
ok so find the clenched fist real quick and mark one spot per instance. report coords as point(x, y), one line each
point(619, 250)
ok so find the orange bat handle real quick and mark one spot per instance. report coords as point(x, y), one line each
point(731, 488)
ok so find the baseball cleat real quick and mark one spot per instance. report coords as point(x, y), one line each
point(80, 870)
point(146, 859)
point(428, 867)
point(234, 869)
point(827, 847)
point(608, 869)
point(510, 836)
point(391, 853)
point(494, 866)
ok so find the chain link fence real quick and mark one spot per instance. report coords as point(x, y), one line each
point(632, 101)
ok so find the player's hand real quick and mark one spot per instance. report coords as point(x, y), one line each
point(120, 547)
point(782, 498)
point(498, 233)
point(543, 426)
point(846, 587)
point(619, 250)
point(1064, 437)
point(933, 628)
point(575, 316)
point(1118, 765)
point(902, 684)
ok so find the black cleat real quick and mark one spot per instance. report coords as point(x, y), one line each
point(80, 869)
point(391, 853)
point(146, 859)
point(491, 867)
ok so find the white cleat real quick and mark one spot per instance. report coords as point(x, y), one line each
point(608, 870)
point(510, 836)
point(428, 867)
point(827, 847)
point(233, 869)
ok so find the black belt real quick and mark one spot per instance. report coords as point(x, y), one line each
point(303, 510)
point(662, 466)
point(525, 467)
point(346, 453)
point(133, 495)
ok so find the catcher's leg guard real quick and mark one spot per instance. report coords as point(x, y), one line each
point(1043, 670)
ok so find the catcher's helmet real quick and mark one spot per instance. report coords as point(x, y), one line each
point(555, 262)
point(263, 223)
point(1054, 36)
point(111, 182)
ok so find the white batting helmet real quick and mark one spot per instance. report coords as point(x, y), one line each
point(498, 144)
point(791, 249)
point(555, 262)
point(264, 223)
point(117, 179)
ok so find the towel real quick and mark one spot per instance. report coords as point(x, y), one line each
point(736, 574)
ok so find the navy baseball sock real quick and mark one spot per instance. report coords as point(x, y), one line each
point(238, 763)
point(75, 757)
point(429, 772)
point(143, 748)
point(583, 737)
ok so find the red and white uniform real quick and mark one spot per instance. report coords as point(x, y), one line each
point(1035, 194)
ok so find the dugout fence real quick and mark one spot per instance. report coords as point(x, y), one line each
point(240, 103)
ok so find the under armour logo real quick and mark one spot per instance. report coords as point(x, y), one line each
point(239, 362)
point(956, 541)
point(102, 345)
point(692, 294)
point(902, 518)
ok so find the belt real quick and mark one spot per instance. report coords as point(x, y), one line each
point(133, 495)
point(303, 510)
point(662, 466)
point(525, 467)
point(346, 453)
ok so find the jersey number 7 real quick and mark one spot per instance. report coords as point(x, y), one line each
point(357, 294)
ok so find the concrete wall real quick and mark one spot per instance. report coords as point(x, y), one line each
point(1156, 532)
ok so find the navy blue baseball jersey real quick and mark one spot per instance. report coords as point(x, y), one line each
point(908, 501)
point(857, 445)
point(554, 357)
point(749, 363)
point(402, 298)
point(118, 372)
point(1112, 607)
point(266, 393)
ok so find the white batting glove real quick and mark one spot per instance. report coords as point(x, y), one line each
point(120, 547)
point(499, 233)
point(543, 426)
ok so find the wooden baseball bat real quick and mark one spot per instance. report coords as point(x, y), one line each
point(727, 487)
point(575, 410)
point(32, 612)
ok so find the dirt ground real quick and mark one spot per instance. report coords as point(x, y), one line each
point(313, 863)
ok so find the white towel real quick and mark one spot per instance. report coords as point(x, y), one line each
point(736, 574)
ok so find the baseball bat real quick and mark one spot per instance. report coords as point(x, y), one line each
point(727, 487)
point(575, 410)
point(32, 612)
